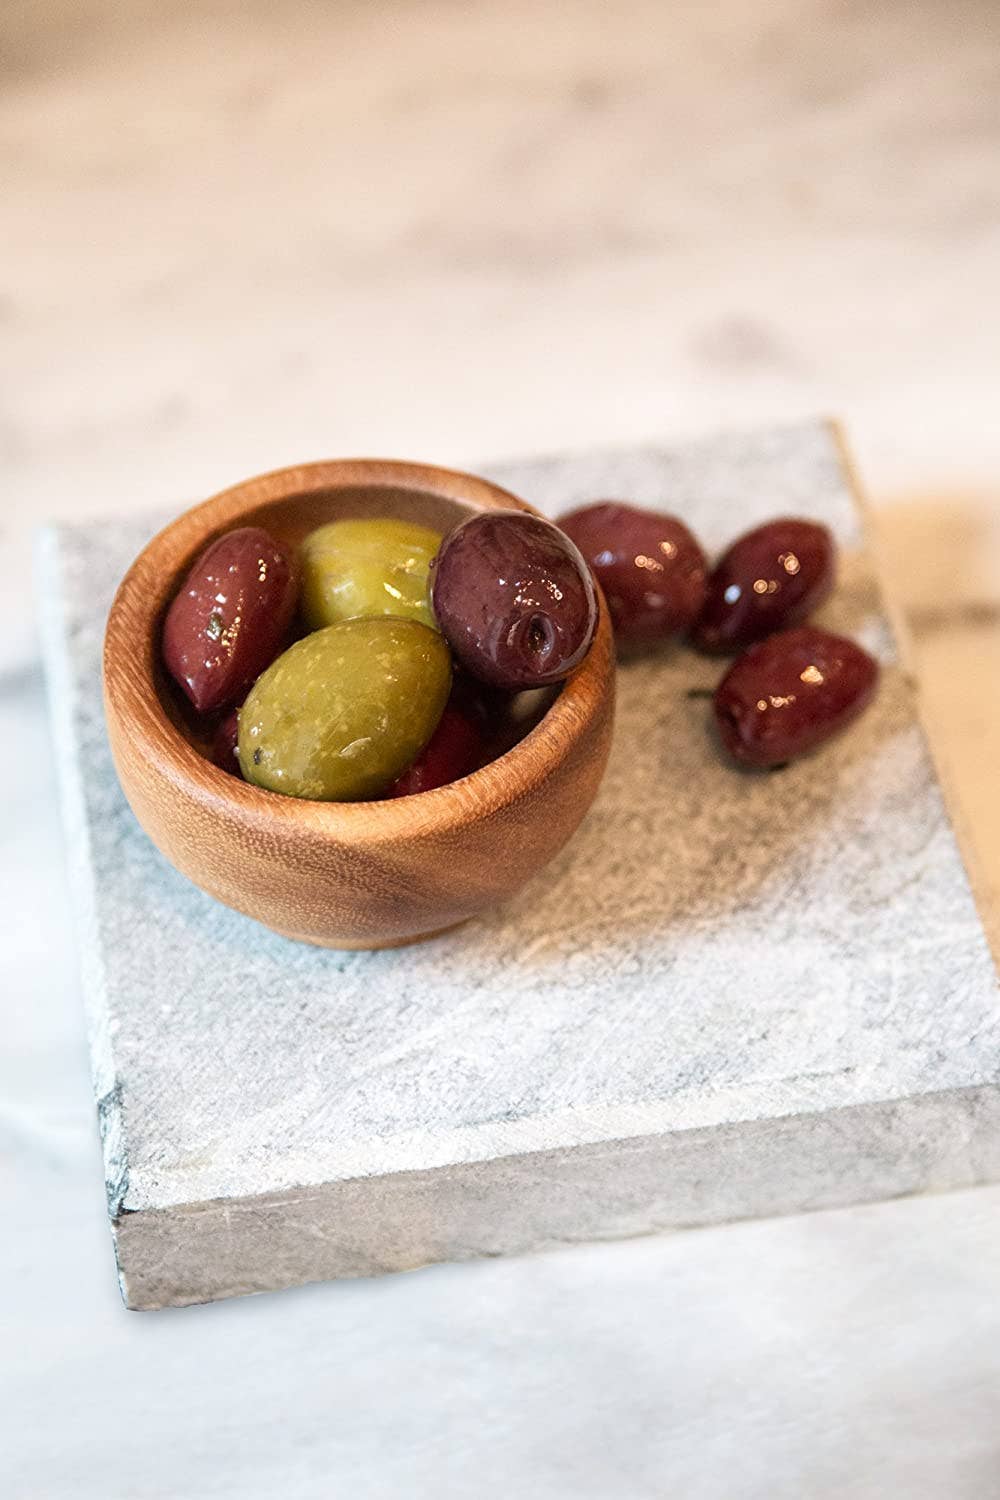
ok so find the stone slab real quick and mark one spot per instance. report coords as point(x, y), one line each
point(732, 995)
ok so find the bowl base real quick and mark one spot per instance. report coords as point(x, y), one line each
point(373, 945)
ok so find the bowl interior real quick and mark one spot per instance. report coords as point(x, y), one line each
point(289, 518)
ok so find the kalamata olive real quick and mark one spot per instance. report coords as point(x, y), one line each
point(345, 710)
point(515, 600)
point(788, 694)
point(770, 579)
point(230, 617)
point(358, 567)
point(454, 750)
point(224, 744)
point(651, 568)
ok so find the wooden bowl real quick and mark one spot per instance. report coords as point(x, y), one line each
point(344, 875)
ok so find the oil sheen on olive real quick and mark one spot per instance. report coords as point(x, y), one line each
point(345, 710)
point(650, 567)
point(354, 568)
point(515, 600)
point(772, 578)
point(790, 693)
point(230, 617)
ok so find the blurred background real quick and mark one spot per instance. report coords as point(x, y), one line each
point(235, 235)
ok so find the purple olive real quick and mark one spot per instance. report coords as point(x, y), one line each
point(790, 693)
point(230, 617)
point(225, 744)
point(770, 579)
point(514, 599)
point(652, 570)
point(454, 750)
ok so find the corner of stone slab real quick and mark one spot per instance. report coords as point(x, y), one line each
point(129, 1301)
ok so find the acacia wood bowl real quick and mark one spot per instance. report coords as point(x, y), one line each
point(342, 874)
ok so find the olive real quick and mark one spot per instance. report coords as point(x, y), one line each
point(768, 580)
point(230, 617)
point(225, 744)
point(354, 568)
point(790, 693)
point(651, 568)
point(345, 710)
point(454, 750)
point(515, 599)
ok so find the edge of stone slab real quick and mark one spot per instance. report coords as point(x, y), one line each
point(373, 1226)
point(984, 894)
point(60, 694)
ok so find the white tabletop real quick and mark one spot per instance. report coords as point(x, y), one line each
point(235, 237)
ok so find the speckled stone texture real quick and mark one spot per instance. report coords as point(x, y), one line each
point(731, 995)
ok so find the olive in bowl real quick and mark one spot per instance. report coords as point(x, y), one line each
point(342, 874)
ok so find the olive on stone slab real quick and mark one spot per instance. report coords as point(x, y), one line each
point(230, 617)
point(345, 710)
point(649, 565)
point(515, 600)
point(770, 579)
point(790, 693)
point(356, 567)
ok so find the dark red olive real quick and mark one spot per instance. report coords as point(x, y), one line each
point(515, 600)
point(652, 570)
point(224, 744)
point(453, 750)
point(768, 580)
point(788, 694)
point(230, 617)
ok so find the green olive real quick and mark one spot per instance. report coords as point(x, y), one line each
point(341, 713)
point(356, 568)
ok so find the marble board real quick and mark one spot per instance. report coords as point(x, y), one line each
point(732, 995)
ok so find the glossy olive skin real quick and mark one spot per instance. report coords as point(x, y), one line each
point(770, 579)
point(345, 710)
point(230, 617)
point(225, 753)
point(355, 568)
point(455, 749)
point(515, 600)
point(790, 693)
point(653, 572)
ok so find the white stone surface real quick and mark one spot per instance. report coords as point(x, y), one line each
point(237, 235)
point(731, 995)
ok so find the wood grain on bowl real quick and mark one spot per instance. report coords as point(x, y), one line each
point(343, 875)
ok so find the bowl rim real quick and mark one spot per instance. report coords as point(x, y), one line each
point(133, 700)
